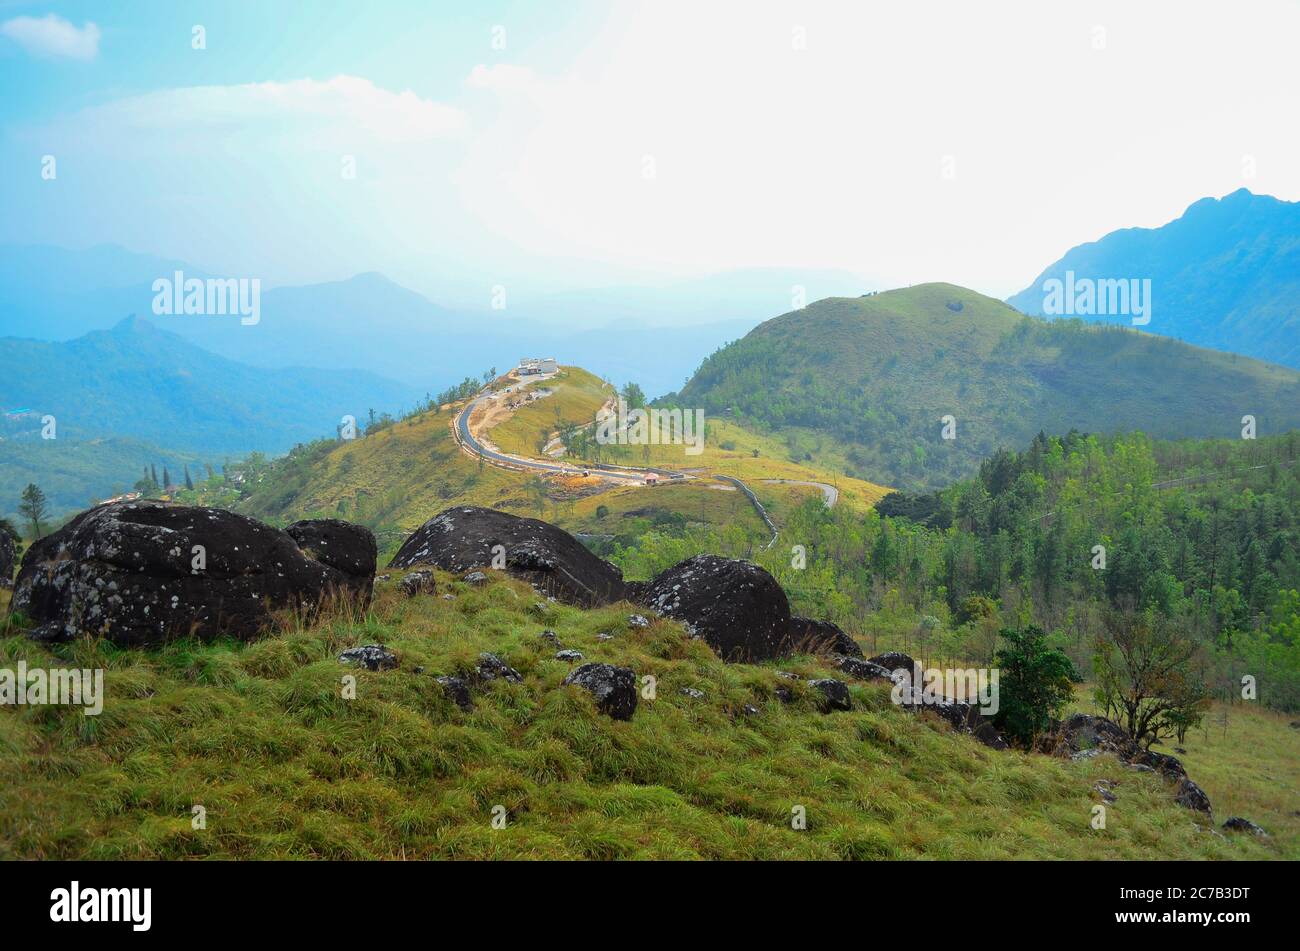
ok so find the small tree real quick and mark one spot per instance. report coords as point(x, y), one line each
point(33, 507)
point(633, 395)
point(1033, 686)
point(1145, 677)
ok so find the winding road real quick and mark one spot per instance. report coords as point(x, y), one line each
point(471, 444)
point(624, 475)
point(829, 492)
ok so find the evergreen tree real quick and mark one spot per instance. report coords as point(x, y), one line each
point(33, 507)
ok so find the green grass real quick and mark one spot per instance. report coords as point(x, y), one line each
point(260, 736)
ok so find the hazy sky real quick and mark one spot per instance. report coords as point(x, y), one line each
point(566, 145)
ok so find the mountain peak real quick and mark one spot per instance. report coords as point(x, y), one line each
point(133, 324)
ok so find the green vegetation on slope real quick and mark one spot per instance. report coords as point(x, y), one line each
point(261, 737)
point(879, 373)
point(1212, 556)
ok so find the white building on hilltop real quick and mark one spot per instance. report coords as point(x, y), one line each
point(533, 365)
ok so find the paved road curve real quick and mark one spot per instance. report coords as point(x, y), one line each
point(829, 492)
point(470, 442)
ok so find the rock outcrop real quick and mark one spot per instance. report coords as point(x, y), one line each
point(808, 636)
point(8, 555)
point(834, 694)
point(370, 656)
point(420, 581)
point(735, 606)
point(1084, 735)
point(894, 660)
point(348, 549)
point(614, 688)
point(1238, 824)
point(465, 538)
point(142, 573)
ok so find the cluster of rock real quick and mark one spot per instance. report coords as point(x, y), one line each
point(1084, 735)
point(736, 607)
point(142, 573)
point(891, 665)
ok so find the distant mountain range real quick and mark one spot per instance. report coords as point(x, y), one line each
point(153, 389)
point(1224, 275)
point(877, 375)
point(370, 323)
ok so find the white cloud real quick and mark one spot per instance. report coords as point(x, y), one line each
point(334, 112)
point(51, 35)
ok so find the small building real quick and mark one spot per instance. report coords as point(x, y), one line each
point(529, 366)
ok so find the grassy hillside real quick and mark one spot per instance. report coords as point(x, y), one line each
point(260, 736)
point(878, 373)
point(729, 449)
point(396, 478)
point(75, 472)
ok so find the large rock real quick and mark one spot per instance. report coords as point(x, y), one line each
point(894, 660)
point(349, 549)
point(1084, 735)
point(142, 573)
point(614, 688)
point(808, 636)
point(735, 606)
point(8, 555)
point(463, 538)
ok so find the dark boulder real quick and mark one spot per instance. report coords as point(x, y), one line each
point(834, 694)
point(492, 667)
point(808, 636)
point(986, 733)
point(420, 581)
point(1082, 732)
point(894, 660)
point(1084, 736)
point(1191, 796)
point(464, 538)
point(457, 691)
point(8, 557)
point(862, 669)
point(614, 688)
point(347, 548)
point(142, 573)
point(569, 655)
point(735, 606)
point(370, 656)
point(1238, 824)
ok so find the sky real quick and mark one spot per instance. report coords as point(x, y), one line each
point(559, 146)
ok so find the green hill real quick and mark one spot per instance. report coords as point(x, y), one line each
point(878, 374)
point(396, 476)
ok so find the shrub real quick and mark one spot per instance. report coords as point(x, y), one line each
point(1034, 684)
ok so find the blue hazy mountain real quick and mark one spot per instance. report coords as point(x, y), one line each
point(135, 394)
point(371, 323)
point(1225, 275)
